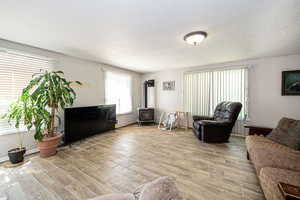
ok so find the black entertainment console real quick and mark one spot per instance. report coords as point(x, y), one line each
point(82, 122)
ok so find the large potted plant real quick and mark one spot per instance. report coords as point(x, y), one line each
point(51, 92)
point(20, 115)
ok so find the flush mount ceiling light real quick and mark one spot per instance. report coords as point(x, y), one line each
point(195, 38)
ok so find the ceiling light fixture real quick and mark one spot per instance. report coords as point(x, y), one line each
point(195, 38)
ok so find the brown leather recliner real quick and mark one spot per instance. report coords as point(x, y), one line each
point(218, 127)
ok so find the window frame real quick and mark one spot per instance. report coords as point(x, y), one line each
point(22, 130)
point(131, 89)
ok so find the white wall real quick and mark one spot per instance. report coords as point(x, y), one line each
point(91, 93)
point(266, 105)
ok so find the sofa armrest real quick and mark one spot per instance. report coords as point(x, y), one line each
point(200, 117)
point(214, 123)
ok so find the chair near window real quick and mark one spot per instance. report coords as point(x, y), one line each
point(217, 129)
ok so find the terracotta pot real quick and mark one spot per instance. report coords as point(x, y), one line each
point(49, 145)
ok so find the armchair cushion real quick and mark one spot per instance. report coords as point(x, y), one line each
point(199, 117)
point(213, 123)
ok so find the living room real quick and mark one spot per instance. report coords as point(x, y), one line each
point(174, 100)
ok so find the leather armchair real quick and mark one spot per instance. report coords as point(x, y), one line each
point(218, 127)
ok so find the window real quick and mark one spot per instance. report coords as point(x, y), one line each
point(118, 91)
point(16, 71)
point(204, 90)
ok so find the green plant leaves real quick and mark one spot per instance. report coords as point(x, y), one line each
point(50, 92)
point(78, 82)
point(45, 94)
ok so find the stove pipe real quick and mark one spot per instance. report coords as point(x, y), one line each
point(148, 83)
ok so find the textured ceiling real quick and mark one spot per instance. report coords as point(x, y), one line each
point(146, 35)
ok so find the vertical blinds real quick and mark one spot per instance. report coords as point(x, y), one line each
point(197, 92)
point(204, 90)
point(16, 71)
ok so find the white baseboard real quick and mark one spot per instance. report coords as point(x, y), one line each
point(28, 152)
point(125, 124)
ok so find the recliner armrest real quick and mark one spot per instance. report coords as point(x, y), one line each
point(214, 123)
point(200, 117)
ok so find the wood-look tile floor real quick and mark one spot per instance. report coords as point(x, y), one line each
point(121, 160)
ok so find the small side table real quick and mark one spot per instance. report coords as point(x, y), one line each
point(258, 130)
point(185, 116)
point(289, 192)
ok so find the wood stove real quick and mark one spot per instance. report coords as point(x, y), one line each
point(146, 115)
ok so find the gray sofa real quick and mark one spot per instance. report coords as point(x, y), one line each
point(274, 162)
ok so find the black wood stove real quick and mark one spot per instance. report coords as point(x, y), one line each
point(146, 115)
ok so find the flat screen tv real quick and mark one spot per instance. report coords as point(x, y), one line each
point(82, 122)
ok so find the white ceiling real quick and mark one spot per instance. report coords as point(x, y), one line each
point(147, 35)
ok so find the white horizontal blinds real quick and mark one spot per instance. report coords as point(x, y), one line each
point(16, 71)
point(197, 93)
point(118, 90)
point(204, 90)
point(230, 85)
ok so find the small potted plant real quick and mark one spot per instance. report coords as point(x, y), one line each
point(19, 114)
point(50, 92)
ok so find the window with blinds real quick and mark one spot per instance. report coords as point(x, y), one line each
point(205, 89)
point(118, 90)
point(16, 70)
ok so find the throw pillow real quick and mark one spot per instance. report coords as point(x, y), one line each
point(163, 188)
point(287, 133)
point(293, 138)
point(286, 123)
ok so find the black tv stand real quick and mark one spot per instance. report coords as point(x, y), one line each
point(83, 122)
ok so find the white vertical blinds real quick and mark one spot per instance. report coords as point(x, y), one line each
point(16, 71)
point(230, 85)
point(197, 92)
point(118, 90)
point(204, 90)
